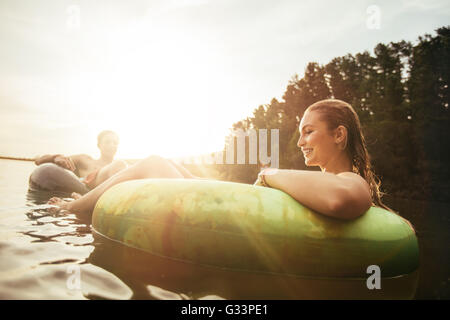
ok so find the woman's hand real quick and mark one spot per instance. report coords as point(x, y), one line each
point(258, 182)
point(64, 162)
point(261, 181)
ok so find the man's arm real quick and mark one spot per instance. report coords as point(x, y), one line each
point(80, 160)
point(58, 159)
point(46, 158)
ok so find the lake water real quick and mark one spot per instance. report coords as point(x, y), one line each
point(44, 256)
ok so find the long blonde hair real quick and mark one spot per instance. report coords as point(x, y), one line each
point(337, 112)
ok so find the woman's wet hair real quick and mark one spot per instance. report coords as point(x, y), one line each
point(335, 113)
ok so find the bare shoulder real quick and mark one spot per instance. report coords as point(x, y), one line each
point(81, 157)
point(355, 179)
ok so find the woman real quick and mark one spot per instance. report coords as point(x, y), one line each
point(330, 137)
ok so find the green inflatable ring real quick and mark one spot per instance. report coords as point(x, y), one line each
point(245, 227)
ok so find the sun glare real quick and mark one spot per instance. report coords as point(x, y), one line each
point(155, 89)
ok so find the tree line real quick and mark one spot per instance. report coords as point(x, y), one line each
point(401, 94)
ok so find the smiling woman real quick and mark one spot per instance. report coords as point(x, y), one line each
point(331, 138)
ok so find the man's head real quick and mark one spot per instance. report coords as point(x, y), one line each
point(107, 142)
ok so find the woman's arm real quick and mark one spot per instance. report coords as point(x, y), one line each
point(345, 195)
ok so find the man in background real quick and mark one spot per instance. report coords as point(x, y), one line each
point(92, 172)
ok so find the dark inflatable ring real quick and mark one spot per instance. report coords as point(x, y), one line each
point(51, 177)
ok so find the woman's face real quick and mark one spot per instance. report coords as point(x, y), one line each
point(317, 143)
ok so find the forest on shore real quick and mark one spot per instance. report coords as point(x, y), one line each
point(401, 94)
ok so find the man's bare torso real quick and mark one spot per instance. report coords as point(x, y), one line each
point(85, 164)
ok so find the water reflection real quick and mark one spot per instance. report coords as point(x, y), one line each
point(47, 252)
point(63, 227)
point(143, 272)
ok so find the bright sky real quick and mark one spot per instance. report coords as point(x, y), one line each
point(171, 77)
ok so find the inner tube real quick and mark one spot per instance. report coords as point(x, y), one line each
point(51, 177)
point(245, 227)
